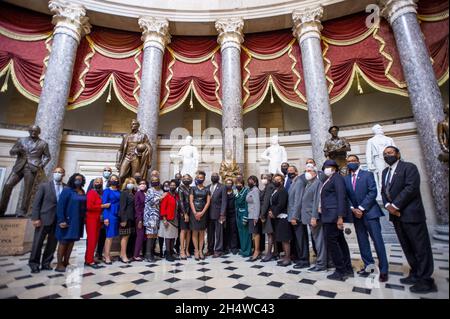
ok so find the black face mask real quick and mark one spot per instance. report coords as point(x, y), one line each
point(98, 186)
point(276, 184)
point(138, 179)
point(251, 184)
point(177, 182)
point(284, 170)
point(229, 186)
point(215, 179)
point(114, 183)
point(291, 175)
point(187, 182)
point(390, 159)
point(172, 189)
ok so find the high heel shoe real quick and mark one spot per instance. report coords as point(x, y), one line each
point(196, 256)
point(124, 261)
point(107, 262)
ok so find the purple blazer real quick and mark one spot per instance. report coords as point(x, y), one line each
point(139, 204)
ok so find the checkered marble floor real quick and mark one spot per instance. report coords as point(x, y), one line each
point(226, 277)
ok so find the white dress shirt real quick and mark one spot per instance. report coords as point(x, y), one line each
point(393, 167)
point(351, 182)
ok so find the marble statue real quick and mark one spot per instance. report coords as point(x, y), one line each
point(374, 154)
point(188, 157)
point(442, 131)
point(32, 156)
point(336, 148)
point(135, 153)
point(275, 154)
point(229, 168)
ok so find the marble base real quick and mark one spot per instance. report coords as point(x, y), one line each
point(16, 236)
point(441, 233)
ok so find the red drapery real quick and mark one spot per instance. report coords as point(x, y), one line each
point(110, 60)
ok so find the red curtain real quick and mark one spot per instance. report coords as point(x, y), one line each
point(193, 47)
point(23, 21)
point(345, 28)
point(115, 41)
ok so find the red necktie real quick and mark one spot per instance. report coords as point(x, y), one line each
point(354, 181)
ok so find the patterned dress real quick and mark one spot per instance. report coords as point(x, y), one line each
point(151, 211)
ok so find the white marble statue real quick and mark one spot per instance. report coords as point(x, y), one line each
point(275, 154)
point(374, 154)
point(188, 156)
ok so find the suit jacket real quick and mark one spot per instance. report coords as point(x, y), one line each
point(126, 206)
point(333, 199)
point(218, 206)
point(405, 193)
point(294, 200)
point(253, 203)
point(265, 200)
point(364, 195)
point(279, 201)
point(44, 205)
point(36, 154)
point(310, 200)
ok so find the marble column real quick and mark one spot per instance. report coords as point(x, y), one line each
point(230, 39)
point(155, 35)
point(424, 93)
point(71, 24)
point(307, 28)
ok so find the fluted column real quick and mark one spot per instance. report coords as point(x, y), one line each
point(155, 35)
point(307, 28)
point(71, 24)
point(230, 39)
point(424, 93)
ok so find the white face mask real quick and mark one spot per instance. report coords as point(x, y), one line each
point(309, 176)
point(329, 171)
point(106, 174)
point(57, 177)
point(130, 186)
point(264, 181)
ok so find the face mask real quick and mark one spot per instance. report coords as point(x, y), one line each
point(284, 170)
point(57, 177)
point(77, 183)
point(251, 184)
point(98, 186)
point(155, 184)
point(328, 171)
point(215, 179)
point(277, 184)
point(291, 175)
point(130, 186)
point(229, 186)
point(187, 182)
point(172, 189)
point(353, 166)
point(264, 181)
point(114, 183)
point(199, 181)
point(166, 188)
point(177, 182)
point(390, 159)
point(143, 187)
point(106, 174)
point(309, 176)
point(239, 188)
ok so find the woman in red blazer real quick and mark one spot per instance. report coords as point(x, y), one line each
point(94, 208)
point(168, 229)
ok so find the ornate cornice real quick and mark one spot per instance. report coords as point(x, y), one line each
point(230, 32)
point(392, 9)
point(69, 19)
point(155, 32)
point(307, 23)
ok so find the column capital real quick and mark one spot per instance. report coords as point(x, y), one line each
point(155, 32)
point(307, 23)
point(230, 32)
point(392, 9)
point(70, 19)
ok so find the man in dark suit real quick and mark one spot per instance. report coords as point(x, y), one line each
point(333, 211)
point(32, 154)
point(217, 216)
point(362, 193)
point(44, 221)
point(401, 196)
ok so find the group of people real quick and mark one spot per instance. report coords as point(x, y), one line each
point(288, 211)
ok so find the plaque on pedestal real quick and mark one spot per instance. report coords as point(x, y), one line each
point(16, 236)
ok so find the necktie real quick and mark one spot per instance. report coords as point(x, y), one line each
point(58, 190)
point(354, 181)
point(388, 184)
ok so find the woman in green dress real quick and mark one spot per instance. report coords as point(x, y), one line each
point(241, 219)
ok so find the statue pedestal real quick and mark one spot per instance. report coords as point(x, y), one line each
point(16, 236)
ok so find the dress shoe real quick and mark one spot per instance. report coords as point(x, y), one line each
point(93, 265)
point(234, 251)
point(410, 280)
point(337, 276)
point(266, 258)
point(170, 258)
point(301, 266)
point(209, 253)
point(285, 263)
point(46, 267)
point(34, 269)
point(316, 269)
point(217, 255)
point(61, 269)
point(363, 273)
point(350, 273)
point(383, 277)
point(423, 288)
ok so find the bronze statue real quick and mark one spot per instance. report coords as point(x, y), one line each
point(135, 153)
point(336, 148)
point(229, 167)
point(442, 131)
point(32, 156)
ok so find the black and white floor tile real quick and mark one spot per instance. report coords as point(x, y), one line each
point(229, 277)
